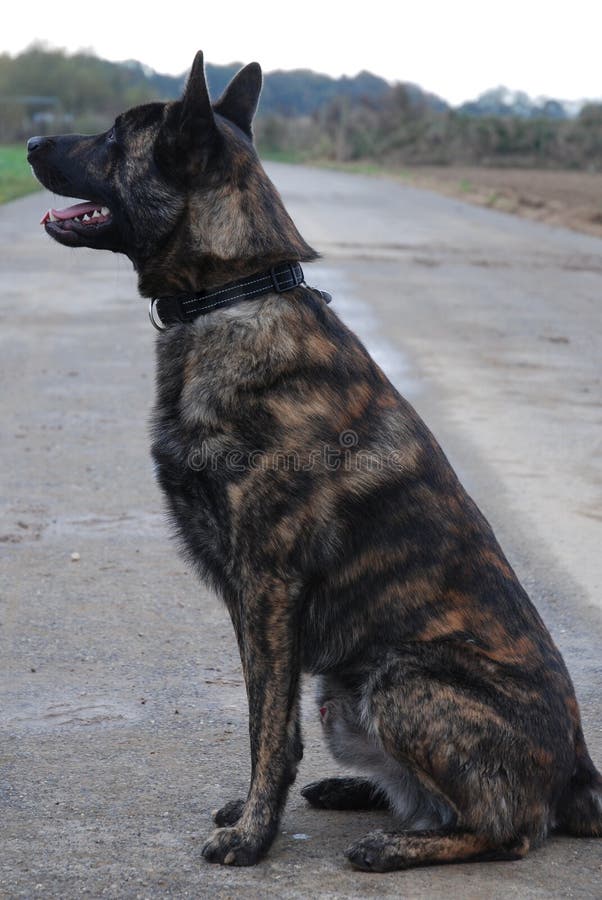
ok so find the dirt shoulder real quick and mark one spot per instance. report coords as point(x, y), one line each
point(570, 199)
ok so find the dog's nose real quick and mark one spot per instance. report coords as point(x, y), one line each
point(35, 144)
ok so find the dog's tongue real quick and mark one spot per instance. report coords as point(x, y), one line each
point(70, 212)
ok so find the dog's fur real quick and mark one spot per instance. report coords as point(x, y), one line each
point(370, 567)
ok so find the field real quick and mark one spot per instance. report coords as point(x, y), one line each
point(15, 175)
point(570, 199)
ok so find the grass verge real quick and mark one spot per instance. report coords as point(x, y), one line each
point(15, 175)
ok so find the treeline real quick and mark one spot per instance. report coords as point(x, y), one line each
point(306, 115)
point(44, 88)
point(401, 130)
point(51, 88)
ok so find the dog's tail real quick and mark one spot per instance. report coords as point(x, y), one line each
point(579, 811)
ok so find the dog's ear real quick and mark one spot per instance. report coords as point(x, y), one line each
point(189, 130)
point(239, 101)
point(196, 116)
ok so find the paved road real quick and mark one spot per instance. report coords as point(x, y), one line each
point(122, 707)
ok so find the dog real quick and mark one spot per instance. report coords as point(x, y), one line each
point(316, 502)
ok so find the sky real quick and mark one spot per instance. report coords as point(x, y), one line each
point(456, 49)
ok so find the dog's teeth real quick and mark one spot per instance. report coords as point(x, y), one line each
point(105, 211)
point(96, 214)
point(86, 218)
point(51, 216)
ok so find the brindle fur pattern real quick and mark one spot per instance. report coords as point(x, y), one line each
point(375, 572)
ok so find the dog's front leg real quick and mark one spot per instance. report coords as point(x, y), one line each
point(268, 636)
point(230, 812)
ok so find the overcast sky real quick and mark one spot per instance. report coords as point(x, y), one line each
point(456, 49)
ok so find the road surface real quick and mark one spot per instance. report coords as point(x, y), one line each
point(123, 709)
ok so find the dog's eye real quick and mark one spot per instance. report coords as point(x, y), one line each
point(111, 137)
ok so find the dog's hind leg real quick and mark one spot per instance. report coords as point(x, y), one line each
point(349, 731)
point(383, 852)
point(489, 765)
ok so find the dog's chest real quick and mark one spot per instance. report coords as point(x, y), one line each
point(187, 437)
point(212, 417)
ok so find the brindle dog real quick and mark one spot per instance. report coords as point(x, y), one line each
point(368, 564)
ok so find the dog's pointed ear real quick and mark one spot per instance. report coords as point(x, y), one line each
point(196, 115)
point(239, 101)
point(189, 130)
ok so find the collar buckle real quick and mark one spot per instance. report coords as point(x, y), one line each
point(285, 277)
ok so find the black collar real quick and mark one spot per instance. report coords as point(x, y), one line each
point(164, 311)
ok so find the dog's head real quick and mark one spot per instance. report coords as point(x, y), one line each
point(175, 186)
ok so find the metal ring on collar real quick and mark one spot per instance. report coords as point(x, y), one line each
point(154, 315)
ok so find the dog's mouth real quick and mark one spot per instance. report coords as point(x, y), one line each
point(78, 223)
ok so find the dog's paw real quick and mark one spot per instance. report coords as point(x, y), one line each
point(375, 853)
point(343, 793)
point(229, 813)
point(233, 847)
point(324, 794)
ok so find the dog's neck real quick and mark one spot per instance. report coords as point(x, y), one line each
point(209, 273)
point(221, 237)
